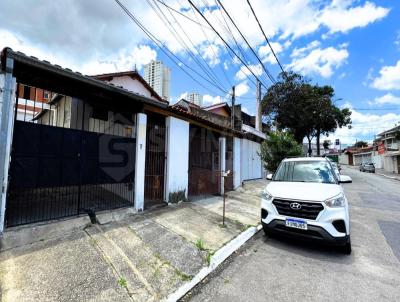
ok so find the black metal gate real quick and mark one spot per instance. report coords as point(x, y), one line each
point(57, 172)
point(155, 160)
point(204, 165)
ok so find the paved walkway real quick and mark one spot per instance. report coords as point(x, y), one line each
point(387, 174)
point(142, 257)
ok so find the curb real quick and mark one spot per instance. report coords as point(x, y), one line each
point(219, 257)
point(387, 176)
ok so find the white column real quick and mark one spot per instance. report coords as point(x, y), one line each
point(7, 99)
point(177, 166)
point(236, 163)
point(222, 155)
point(141, 125)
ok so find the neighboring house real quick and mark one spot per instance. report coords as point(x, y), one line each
point(251, 163)
point(388, 145)
point(31, 101)
point(109, 141)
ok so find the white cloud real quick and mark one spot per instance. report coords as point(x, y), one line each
point(244, 72)
point(315, 60)
point(123, 60)
point(340, 16)
point(389, 78)
point(387, 99)
point(242, 89)
point(266, 54)
point(364, 126)
point(211, 100)
point(210, 53)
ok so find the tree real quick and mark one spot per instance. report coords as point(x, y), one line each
point(303, 109)
point(285, 104)
point(361, 144)
point(278, 146)
point(326, 144)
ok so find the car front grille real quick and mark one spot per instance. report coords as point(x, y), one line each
point(308, 210)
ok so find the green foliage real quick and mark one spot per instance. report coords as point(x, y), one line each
point(361, 144)
point(183, 276)
point(122, 282)
point(175, 197)
point(278, 146)
point(200, 244)
point(326, 144)
point(306, 110)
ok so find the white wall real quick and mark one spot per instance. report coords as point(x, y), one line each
point(141, 125)
point(343, 159)
point(237, 178)
point(251, 164)
point(378, 161)
point(177, 156)
point(132, 85)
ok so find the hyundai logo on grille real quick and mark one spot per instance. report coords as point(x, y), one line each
point(295, 206)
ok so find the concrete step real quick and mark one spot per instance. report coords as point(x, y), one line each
point(156, 274)
point(136, 284)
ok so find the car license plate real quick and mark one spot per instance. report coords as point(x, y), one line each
point(296, 223)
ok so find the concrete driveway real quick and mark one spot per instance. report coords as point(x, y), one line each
point(143, 257)
point(273, 269)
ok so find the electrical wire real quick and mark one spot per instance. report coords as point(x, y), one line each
point(248, 44)
point(265, 36)
point(223, 40)
point(165, 49)
point(210, 74)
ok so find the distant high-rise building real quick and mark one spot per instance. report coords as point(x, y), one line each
point(158, 76)
point(195, 98)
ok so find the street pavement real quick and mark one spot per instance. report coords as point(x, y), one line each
point(275, 269)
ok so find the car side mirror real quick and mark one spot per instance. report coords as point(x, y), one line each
point(269, 176)
point(345, 179)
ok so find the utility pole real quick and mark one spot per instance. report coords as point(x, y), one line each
point(258, 106)
point(233, 108)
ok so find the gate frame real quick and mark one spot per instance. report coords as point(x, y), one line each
point(6, 132)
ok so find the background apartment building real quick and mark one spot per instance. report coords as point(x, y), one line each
point(195, 98)
point(158, 76)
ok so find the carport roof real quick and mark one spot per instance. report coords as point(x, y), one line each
point(42, 74)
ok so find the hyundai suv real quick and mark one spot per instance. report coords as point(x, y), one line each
point(305, 199)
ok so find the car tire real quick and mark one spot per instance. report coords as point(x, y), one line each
point(346, 249)
point(267, 233)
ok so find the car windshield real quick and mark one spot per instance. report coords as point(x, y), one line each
point(305, 171)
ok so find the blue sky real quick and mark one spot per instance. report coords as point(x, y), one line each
point(352, 45)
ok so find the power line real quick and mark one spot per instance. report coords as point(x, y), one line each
point(223, 40)
point(183, 15)
point(265, 36)
point(248, 44)
point(210, 74)
point(165, 49)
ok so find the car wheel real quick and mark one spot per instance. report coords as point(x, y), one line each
point(346, 249)
point(267, 233)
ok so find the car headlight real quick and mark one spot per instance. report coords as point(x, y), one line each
point(335, 202)
point(265, 195)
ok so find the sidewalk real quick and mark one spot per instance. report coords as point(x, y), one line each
point(387, 174)
point(380, 172)
point(143, 257)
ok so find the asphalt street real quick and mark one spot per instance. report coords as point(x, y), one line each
point(276, 269)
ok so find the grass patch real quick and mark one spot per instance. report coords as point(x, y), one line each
point(183, 276)
point(208, 257)
point(200, 244)
point(122, 282)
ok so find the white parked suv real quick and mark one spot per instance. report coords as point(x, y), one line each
point(305, 199)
